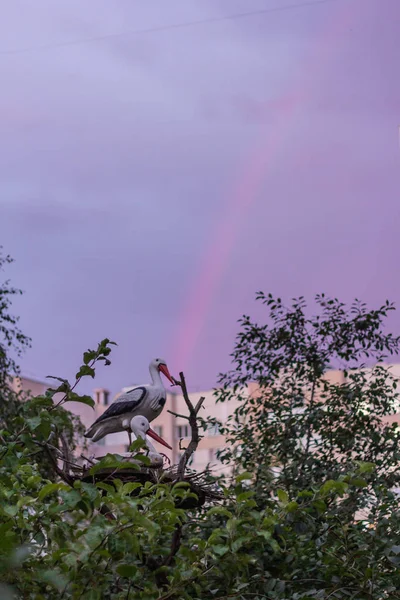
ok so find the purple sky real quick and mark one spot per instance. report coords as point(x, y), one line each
point(151, 183)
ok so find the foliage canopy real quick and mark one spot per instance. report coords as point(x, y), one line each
point(313, 454)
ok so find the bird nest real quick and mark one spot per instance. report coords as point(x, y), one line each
point(201, 485)
point(144, 468)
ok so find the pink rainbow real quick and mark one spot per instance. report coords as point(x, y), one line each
point(216, 256)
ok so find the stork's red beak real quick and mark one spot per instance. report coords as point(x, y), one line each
point(164, 371)
point(157, 438)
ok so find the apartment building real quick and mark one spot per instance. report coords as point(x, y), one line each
point(29, 384)
point(174, 430)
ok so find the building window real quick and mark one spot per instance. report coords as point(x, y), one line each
point(213, 429)
point(158, 430)
point(102, 397)
point(182, 431)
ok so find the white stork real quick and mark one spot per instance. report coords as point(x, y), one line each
point(140, 427)
point(144, 400)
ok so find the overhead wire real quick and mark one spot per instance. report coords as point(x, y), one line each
point(161, 28)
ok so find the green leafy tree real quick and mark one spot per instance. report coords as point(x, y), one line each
point(271, 536)
point(15, 410)
point(299, 426)
point(12, 343)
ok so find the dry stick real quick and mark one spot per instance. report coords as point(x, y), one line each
point(194, 442)
point(177, 414)
point(192, 418)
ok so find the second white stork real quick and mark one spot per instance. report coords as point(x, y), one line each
point(140, 427)
point(146, 400)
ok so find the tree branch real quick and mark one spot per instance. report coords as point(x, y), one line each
point(194, 442)
point(178, 415)
point(192, 418)
point(64, 476)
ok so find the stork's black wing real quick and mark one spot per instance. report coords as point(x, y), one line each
point(125, 405)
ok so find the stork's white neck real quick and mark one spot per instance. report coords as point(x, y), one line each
point(139, 433)
point(155, 376)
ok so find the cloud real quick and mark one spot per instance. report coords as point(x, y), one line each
point(120, 157)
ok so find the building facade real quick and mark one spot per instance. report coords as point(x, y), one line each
point(174, 430)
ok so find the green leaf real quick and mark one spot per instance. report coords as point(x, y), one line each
point(70, 499)
point(239, 542)
point(63, 387)
point(244, 476)
point(219, 510)
point(89, 356)
point(34, 422)
point(72, 397)
point(220, 550)
point(283, 496)
point(106, 486)
point(84, 371)
point(142, 458)
point(333, 486)
point(128, 571)
point(48, 489)
point(90, 490)
point(41, 401)
point(58, 379)
point(320, 505)
point(137, 444)
point(358, 482)
point(128, 488)
point(113, 462)
point(181, 484)
point(245, 496)
point(366, 467)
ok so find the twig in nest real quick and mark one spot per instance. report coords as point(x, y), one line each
point(88, 459)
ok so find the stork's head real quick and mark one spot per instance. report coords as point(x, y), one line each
point(141, 427)
point(161, 365)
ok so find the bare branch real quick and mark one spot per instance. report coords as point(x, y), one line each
point(66, 452)
point(178, 415)
point(192, 418)
point(199, 405)
point(188, 451)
